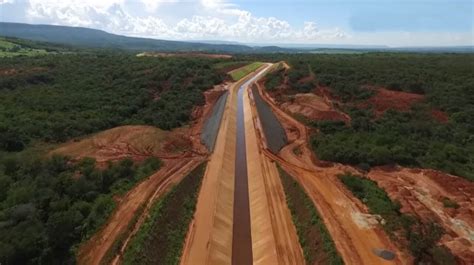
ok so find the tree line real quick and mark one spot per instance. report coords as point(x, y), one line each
point(58, 97)
point(412, 138)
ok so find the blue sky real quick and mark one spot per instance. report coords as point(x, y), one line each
point(381, 22)
point(413, 15)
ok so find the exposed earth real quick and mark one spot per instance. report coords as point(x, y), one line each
point(314, 107)
point(422, 192)
point(180, 150)
point(271, 237)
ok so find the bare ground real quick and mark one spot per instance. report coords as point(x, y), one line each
point(314, 107)
point(421, 193)
point(133, 141)
point(143, 141)
point(355, 232)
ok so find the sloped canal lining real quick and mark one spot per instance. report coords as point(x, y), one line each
point(212, 124)
point(241, 231)
point(272, 128)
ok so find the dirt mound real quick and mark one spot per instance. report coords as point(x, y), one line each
point(385, 99)
point(186, 54)
point(135, 141)
point(314, 107)
point(424, 193)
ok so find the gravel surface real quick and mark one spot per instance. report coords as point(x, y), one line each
point(274, 132)
point(211, 126)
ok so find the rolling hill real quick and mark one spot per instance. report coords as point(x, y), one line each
point(93, 38)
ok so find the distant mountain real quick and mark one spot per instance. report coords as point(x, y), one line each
point(324, 46)
point(93, 38)
point(449, 49)
point(223, 42)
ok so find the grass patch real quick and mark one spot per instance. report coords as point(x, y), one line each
point(160, 239)
point(10, 49)
point(230, 65)
point(318, 246)
point(243, 71)
point(422, 238)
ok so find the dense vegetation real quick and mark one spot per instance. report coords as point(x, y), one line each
point(274, 78)
point(47, 206)
point(422, 237)
point(413, 138)
point(161, 238)
point(54, 98)
point(318, 246)
point(410, 138)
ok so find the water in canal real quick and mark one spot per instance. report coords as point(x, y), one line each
point(242, 235)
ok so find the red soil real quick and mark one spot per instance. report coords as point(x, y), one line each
point(181, 158)
point(421, 193)
point(355, 232)
point(439, 116)
point(385, 99)
point(325, 92)
point(314, 108)
point(132, 141)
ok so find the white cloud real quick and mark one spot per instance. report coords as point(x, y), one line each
point(6, 2)
point(210, 19)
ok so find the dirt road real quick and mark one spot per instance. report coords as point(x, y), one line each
point(103, 246)
point(97, 247)
point(354, 231)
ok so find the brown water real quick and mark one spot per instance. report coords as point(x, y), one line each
point(242, 236)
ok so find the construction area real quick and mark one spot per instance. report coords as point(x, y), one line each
point(242, 216)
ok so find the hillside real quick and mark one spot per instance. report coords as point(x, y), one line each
point(93, 38)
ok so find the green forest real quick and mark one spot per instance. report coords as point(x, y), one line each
point(50, 204)
point(58, 97)
point(411, 138)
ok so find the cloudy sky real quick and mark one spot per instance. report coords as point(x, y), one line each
point(374, 22)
